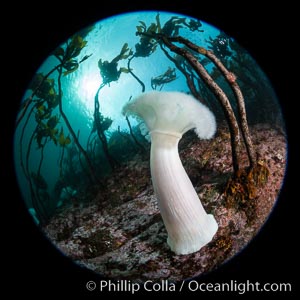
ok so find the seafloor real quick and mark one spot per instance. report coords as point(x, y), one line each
point(120, 233)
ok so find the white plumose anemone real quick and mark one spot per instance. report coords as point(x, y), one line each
point(168, 115)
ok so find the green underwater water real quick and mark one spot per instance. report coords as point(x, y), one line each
point(49, 164)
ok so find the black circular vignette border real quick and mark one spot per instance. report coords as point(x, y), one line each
point(34, 265)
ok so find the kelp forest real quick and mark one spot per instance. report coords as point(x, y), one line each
point(105, 170)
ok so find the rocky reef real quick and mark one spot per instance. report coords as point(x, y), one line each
point(120, 233)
